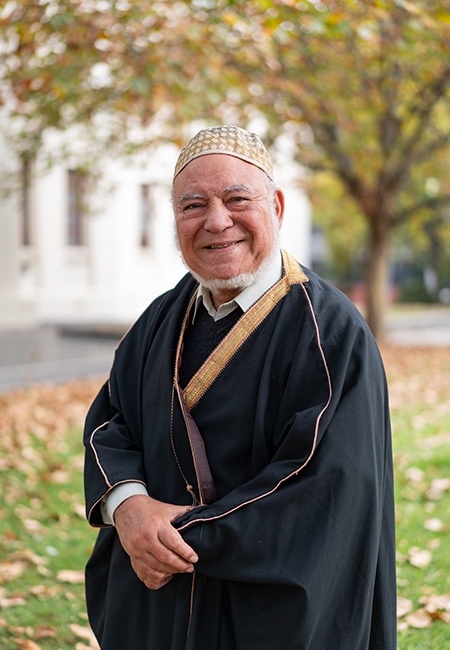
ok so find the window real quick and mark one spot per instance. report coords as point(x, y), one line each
point(75, 196)
point(146, 216)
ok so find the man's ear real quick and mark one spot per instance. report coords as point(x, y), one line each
point(279, 205)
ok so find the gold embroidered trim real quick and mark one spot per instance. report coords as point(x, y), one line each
point(314, 442)
point(240, 332)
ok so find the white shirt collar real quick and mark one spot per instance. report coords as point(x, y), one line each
point(246, 298)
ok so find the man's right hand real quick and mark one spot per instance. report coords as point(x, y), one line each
point(157, 551)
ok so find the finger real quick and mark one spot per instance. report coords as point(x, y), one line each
point(173, 541)
point(163, 559)
point(171, 563)
point(153, 579)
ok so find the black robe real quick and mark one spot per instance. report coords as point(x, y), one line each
point(298, 551)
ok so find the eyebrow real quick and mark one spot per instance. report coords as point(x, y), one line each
point(226, 190)
point(189, 197)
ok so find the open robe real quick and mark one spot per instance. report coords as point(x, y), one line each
point(297, 552)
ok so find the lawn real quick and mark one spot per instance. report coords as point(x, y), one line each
point(45, 541)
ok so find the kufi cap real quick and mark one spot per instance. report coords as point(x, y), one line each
point(231, 140)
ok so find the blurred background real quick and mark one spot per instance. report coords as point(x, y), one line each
point(352, 99)
point(98, 96)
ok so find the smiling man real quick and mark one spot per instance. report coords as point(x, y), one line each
point(238, 459)
point(226, 231)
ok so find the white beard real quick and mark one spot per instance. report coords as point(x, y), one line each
point(242, 280)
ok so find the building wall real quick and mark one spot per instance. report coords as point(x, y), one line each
point(111, 278)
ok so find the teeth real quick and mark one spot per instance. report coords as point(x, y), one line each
point(222, 245)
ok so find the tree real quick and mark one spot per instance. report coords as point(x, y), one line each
point(366, 86)
point(360, 86)
point(129, 71)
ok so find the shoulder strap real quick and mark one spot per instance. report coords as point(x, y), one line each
point(240, 332)
point(218, 359)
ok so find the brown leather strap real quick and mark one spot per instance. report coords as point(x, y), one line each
point(207, 490)
point(210, 370)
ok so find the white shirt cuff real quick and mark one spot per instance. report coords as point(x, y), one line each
point(116, 496)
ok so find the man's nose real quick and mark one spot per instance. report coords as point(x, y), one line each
point(218, 217)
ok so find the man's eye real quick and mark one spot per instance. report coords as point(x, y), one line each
point(240, 201)
point(192, 206)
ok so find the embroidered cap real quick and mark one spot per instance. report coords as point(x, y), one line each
point(231, 140)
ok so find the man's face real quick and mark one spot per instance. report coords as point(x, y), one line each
point(223, 216)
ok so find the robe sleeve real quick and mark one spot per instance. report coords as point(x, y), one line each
point(112, 455)
point(112, 432)
point(316, 514)
point(113, 428)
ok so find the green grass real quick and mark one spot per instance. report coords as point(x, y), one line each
point(422, 457)
point(43, 531)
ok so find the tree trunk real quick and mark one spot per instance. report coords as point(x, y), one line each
point(377, 276)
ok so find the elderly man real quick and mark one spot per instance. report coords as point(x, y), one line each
point(238, 459)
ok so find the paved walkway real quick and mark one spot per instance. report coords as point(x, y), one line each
point(48, 354)
point(419, 326)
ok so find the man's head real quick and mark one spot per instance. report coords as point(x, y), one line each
point(228, 210)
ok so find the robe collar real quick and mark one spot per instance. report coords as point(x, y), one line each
point(246, 298)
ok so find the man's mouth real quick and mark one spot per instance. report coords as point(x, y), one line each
point(219, 246)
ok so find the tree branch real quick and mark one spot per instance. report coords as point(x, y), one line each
point(430, 202)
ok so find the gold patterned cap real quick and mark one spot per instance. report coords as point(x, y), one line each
point(231, 140)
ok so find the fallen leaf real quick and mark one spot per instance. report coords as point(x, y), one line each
point(11, 570)
point(79, 509)
point(436, 603)
point(32, 525)
point(438, 488)
point(419, 619)
point(27, 644)
point(404, 606)
point(59, 476)
point(415, 475)
point(71, 576)
point(419, 558)
point(42, 591)
point(23, 631)
point(12, 602)
point(45, 632)
point(86, 634)
point(435, 524)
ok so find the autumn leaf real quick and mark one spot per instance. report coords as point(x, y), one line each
point(27, 644)
point(435, 525)
point(419, 558)
point(71, 576)
point(437, 606)
point(438, 488)
point(11, 570)
point(45, 632)
point(85, 633)
point(404, 606)
point(14, 601)
point(418, 619)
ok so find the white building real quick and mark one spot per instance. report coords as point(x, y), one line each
point(71, 256)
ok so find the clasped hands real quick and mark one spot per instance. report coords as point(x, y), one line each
point(157, 551)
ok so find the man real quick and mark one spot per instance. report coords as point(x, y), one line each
point(239, 458)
